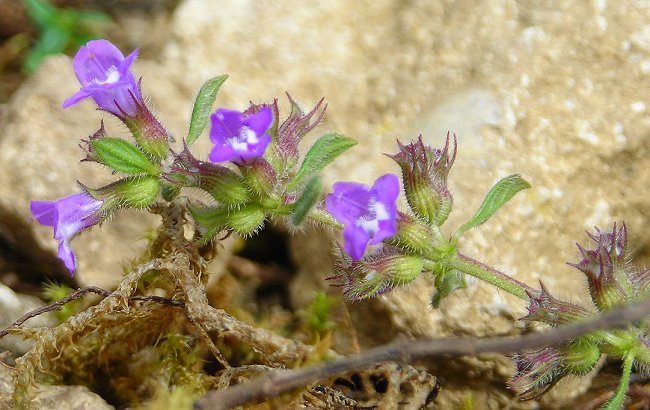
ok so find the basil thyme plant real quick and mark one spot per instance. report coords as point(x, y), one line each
point(255, 172)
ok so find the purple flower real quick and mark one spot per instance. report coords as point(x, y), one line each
point(104, 75)
point(369, 214)
point(68, 217)
point(238, 137)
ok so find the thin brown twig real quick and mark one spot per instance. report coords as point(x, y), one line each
point(58, 305)
point(278, 382)
point(54, 306)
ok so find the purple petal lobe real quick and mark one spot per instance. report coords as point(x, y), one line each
point(261, 121)
point(355, 241)
point(67, 256)
point(44, 212)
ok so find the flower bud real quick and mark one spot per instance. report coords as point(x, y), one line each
point(223, 184)
point(537, 371)
point(247, 220)
point(547, 309)
point(580, 357)
point(260, 176)
point(609, 282)
point(135, 192)
point(375, 274)
point(292, 130)
point(414, 236)
point(424, 172)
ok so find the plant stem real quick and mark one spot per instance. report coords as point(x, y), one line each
point(490, 275)
point(616, 402)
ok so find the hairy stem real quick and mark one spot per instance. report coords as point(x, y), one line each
point(322, 217)
point(616, 402)
point(490, 275)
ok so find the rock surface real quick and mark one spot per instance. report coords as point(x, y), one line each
point(13, 306)
point(557, 92)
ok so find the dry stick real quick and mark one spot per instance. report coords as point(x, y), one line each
point(54, 306)
point(76, 295)
point(278, 382)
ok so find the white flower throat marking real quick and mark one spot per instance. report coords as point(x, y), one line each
point(112, 76)
point(245, 138)
point(370, 221)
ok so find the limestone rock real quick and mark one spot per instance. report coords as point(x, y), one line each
point(13, 306)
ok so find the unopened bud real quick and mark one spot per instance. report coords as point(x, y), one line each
point(226, 186)
point(375, 274)
point(247, 220)
point(424, 172)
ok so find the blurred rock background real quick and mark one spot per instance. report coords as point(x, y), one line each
point(557, 91)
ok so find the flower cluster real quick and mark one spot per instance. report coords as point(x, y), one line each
point(370, 216)
point(262, 180)
point(612, 281)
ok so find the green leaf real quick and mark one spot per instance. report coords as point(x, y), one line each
point(446, 283)
point(307, 200)
point(123, 156)
point(52, 41)
point(94, 16)
point(203, 106)
point(41, 12)
point(324, 151)
point(500, 193)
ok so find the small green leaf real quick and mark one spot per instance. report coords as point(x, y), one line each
point(41, 12)
point(446, 283)
point(203, 106)
point(500, 193)
point(123, 156)
point(307, 200)
point(324, 151)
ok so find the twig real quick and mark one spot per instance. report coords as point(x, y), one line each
point(54, 306)
point(76, 295)
point(278, 382)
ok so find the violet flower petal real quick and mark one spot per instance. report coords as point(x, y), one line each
point(66, 254)
point(368, 214)
point(44, 212)
point(239, 138)
point(68, 216)
point(104, 75)
point(355, 241)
